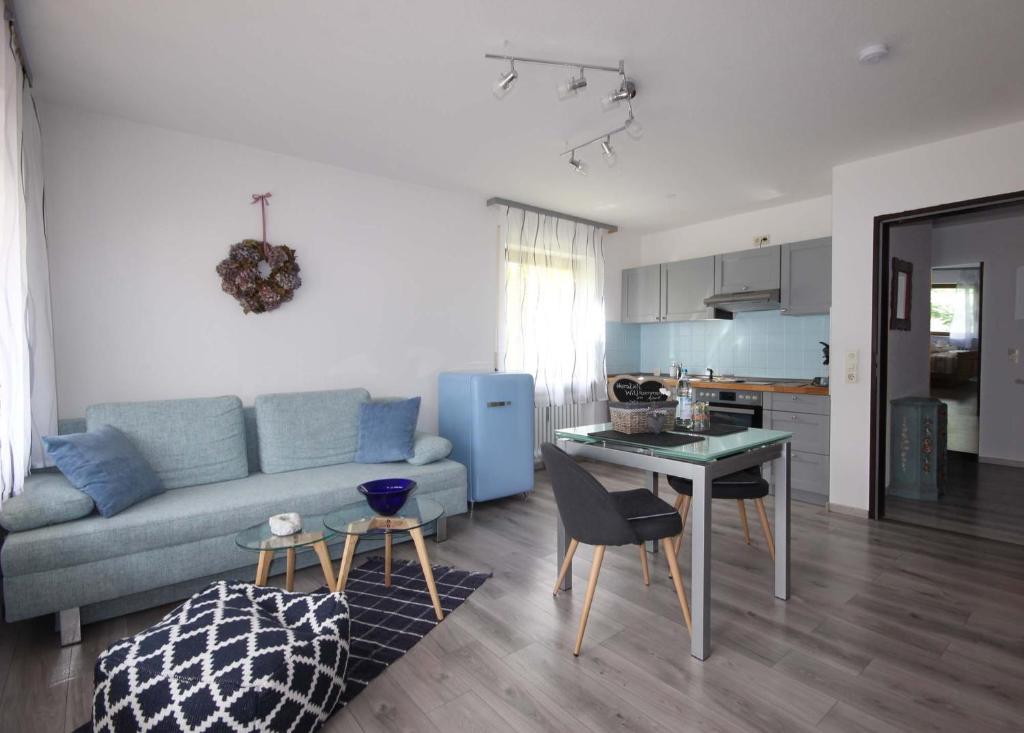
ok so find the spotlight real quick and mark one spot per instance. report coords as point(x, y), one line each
point(633, 128)
point(625, 92)
point(506, 81)
point(571, 87)
point(609, 152)
point(577, 165)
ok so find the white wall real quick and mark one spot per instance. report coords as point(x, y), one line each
point(909, 373)
point(794, 222)
point(399, 281)
point(622, 250)
point(998, 243)
point(986, 163)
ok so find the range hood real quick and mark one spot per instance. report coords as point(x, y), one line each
point(746, 300)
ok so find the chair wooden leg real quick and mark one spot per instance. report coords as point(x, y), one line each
point(685, 512)
point(595, 569)
point(677, 581)
point(387, 560)
point(569, 552)
point(643, 563)
point(759, 503)
point(743, 520)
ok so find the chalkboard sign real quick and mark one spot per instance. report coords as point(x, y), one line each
point(630, 390)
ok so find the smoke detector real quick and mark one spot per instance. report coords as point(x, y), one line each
point(873, 54)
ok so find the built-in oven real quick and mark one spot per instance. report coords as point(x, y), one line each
point(733, 407)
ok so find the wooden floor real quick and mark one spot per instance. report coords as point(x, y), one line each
point(979, 499)
point(889, 628)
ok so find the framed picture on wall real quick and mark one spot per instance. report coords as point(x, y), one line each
point(901, 277)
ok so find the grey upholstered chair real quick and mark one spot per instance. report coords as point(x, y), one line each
point(594, 516)
point(740, 486)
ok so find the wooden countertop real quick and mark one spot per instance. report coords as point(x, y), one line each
point(782, 387)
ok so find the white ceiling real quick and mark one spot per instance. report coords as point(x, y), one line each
point(745, 103)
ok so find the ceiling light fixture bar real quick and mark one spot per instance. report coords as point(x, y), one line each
point(600, 138)
point(620, 69)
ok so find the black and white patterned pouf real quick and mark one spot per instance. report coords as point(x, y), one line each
point(234, 657)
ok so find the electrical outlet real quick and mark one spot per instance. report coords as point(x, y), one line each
point(851, 367)
point(1014, 354)
point(760, 240)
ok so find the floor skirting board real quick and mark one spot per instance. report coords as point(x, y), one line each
point(850, 511)
point(1001, 461)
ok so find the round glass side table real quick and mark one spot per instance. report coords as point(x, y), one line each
point(356, 521)
point(261, 539)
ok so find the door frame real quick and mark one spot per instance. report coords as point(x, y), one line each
point(880, 325)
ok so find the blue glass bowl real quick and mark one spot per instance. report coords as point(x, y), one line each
point(387, 495)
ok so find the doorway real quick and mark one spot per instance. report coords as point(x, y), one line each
point(954, 355)
point(948, 384)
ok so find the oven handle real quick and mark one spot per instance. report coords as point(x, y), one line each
point(736, 410)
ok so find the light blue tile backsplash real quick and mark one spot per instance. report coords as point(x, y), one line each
point(622, 347)
point(762, 344)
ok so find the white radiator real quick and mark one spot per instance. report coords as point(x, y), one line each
point(546, 420)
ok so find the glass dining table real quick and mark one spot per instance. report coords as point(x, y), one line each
point(701, 462)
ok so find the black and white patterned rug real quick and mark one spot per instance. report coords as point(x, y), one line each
point(388, 622)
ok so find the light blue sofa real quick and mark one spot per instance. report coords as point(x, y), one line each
point(225, 468)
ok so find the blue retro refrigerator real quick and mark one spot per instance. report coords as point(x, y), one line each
point(488, 417)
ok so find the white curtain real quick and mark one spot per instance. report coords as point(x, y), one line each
point(963, 332)
point(553, 323)
point(27, 386)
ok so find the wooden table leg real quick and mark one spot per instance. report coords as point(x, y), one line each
point(289, 578)
point(263, 567)
point(428, 574)
point(387, 560)
point(325, 562)
point(346, 562)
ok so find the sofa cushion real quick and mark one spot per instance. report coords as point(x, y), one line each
point(427, 448)
point(215, 510)
point(386, 430)
point(308, 429)
point(106, 465)
point(187, 442)
point(48, 498)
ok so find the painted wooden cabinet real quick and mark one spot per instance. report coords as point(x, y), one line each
point(917, 448)
point(806, 277)
point(684, 286)
point(748, 270)
point(641, 294)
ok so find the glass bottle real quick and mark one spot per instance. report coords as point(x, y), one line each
point(684, 395)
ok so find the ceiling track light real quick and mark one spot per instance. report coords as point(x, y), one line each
point(608, 152)
point(622, 93)
point(572, 86)
point(506, 81)
point(577, 165)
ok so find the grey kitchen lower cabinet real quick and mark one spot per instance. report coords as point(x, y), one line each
point(807, 418)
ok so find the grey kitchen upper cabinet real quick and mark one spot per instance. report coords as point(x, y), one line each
point(807, 277)
point(748, 270)
point(641, 294)
point(684, 286)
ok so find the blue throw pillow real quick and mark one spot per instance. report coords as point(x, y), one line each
point(106, 465)
point(386, 430)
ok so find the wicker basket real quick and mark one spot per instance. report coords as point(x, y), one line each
point(641, 417)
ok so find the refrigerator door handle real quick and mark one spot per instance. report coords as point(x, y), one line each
point(503, 403)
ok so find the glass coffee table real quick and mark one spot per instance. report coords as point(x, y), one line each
point(356, 521)
point(261, 539)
